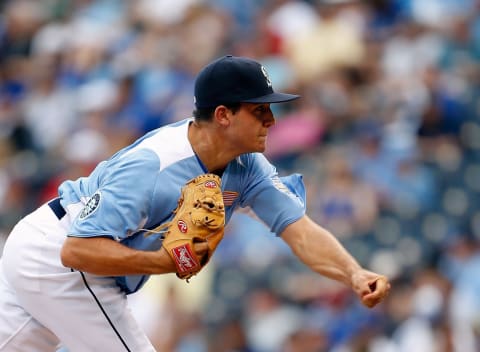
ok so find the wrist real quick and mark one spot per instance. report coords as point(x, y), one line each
point(163, 263)
point(353, 273)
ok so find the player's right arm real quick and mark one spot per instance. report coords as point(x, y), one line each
point(280, 203)
point(323, 253)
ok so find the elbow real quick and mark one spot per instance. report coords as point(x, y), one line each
point(297, 242)
point(299, 246)
point(68, 256)
point(295, 235)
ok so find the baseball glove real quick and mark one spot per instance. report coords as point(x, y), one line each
point(199, 217)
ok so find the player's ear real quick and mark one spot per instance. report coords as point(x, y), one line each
point(222, 115)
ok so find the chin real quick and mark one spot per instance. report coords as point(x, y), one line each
point(261, 149)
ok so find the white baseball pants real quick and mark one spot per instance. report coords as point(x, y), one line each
point(43, 304)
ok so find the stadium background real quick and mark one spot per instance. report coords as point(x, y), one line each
point(387, 135)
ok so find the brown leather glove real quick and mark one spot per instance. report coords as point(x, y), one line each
point(199, 217)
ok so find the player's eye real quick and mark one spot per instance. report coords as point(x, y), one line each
point(262, 112)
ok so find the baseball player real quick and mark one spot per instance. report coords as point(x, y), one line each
point(68, 266)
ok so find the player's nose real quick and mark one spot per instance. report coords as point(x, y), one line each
point(270, 121)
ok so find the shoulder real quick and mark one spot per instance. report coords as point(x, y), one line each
point(165, 145)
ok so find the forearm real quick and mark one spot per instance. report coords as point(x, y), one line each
point(103, 256)
point(320, 250)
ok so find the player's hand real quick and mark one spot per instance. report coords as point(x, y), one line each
point(372, 288)
point(200, 249)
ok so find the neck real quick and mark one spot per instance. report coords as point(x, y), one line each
point(207, 142)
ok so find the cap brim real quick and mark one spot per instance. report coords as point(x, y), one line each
point(272, 98)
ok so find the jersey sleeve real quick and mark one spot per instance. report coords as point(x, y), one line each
point(120, 204)
point(277, 201)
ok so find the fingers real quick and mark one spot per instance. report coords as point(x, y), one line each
point(379, 289)
point(200, 248)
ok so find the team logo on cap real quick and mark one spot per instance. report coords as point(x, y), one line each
point(267, 77)
point(91, 206)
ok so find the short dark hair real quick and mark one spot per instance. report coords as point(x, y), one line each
point(206, 114)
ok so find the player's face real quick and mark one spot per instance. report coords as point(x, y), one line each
point(251, 124)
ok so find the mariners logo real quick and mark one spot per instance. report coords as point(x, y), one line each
point(91, 206)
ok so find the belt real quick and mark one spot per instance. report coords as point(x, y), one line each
point(57, 208)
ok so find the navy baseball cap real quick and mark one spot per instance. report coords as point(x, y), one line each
point(233, 79)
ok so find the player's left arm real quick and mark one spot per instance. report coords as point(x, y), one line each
point(323, 253)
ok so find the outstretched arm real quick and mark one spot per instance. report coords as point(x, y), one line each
point(323, 253)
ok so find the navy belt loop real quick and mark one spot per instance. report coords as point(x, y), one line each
point(57, 208)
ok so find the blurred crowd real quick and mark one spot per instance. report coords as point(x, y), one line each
point(387, 136)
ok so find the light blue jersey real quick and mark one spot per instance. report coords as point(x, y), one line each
point(138, 188)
